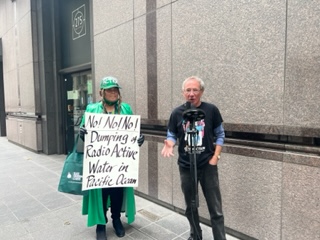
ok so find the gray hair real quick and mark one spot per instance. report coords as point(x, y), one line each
point(199, 80)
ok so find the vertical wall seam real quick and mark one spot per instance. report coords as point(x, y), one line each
point(151, 35)
point(152, 93)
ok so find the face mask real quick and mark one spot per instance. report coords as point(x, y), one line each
point(110, 103)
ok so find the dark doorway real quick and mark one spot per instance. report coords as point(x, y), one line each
point(77, 95)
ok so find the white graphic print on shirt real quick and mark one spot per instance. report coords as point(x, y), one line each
point(199, 127)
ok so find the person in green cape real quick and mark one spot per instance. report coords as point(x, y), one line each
point(120, 199)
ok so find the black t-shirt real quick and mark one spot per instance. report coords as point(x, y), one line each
point(206, 137)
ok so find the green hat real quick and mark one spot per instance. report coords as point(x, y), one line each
point(109, 82)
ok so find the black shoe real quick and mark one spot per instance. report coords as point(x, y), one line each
point(118, 228)
point(191, 238)
point(101, 232)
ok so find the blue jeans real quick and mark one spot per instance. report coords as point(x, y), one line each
point(209, 181)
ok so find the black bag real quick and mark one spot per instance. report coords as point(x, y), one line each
point(71, 176)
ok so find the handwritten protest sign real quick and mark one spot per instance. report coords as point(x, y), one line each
point(111, 151)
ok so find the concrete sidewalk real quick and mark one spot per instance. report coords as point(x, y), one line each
point(31, 208)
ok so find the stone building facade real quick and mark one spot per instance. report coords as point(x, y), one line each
point(260, 63)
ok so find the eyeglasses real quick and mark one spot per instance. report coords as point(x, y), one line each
point(194, 90)
point(112, 90)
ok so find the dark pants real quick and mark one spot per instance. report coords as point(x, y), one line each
point(209, 181)
point(116, 198)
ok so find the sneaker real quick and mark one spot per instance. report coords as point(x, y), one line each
point(118, 228)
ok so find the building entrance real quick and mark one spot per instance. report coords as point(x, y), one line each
point(78, 94)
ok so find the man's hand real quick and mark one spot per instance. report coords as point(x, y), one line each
point(140, 140)
point(167, 150)
point(215, 158)
point(82, 132)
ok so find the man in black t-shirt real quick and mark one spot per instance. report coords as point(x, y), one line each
point(205, 136)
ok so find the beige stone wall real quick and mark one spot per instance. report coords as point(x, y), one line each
point(258, 60)
point(18, 65)
point(18, 74)
point(25, 132)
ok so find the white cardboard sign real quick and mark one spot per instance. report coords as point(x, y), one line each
point(111, 151)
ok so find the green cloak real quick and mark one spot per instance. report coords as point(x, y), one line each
point(92, 204)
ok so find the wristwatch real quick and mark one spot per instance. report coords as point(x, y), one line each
point(218, 156)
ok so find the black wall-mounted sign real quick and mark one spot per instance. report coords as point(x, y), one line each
point(74, 22)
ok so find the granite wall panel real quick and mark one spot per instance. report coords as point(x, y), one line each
point(25, 132)
point(24, 42)
point(18, 61)
point(114, 55)
point(164, 62)
point(177, 198)
point(10, 17)
point(11, 91)
point(13, 131)
point(27, 89)
point(139, 8)
point(165, 176)
point(153, 171)
point(31, 134)
point(23, 8)
point(302, 88)
point(143, 169)
point(140, 67)
point(9, 51)
point(238, 49)
point(110, 14)
point(161, 3)
point(3, 18)
point(251, 193)
point(300, 202)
